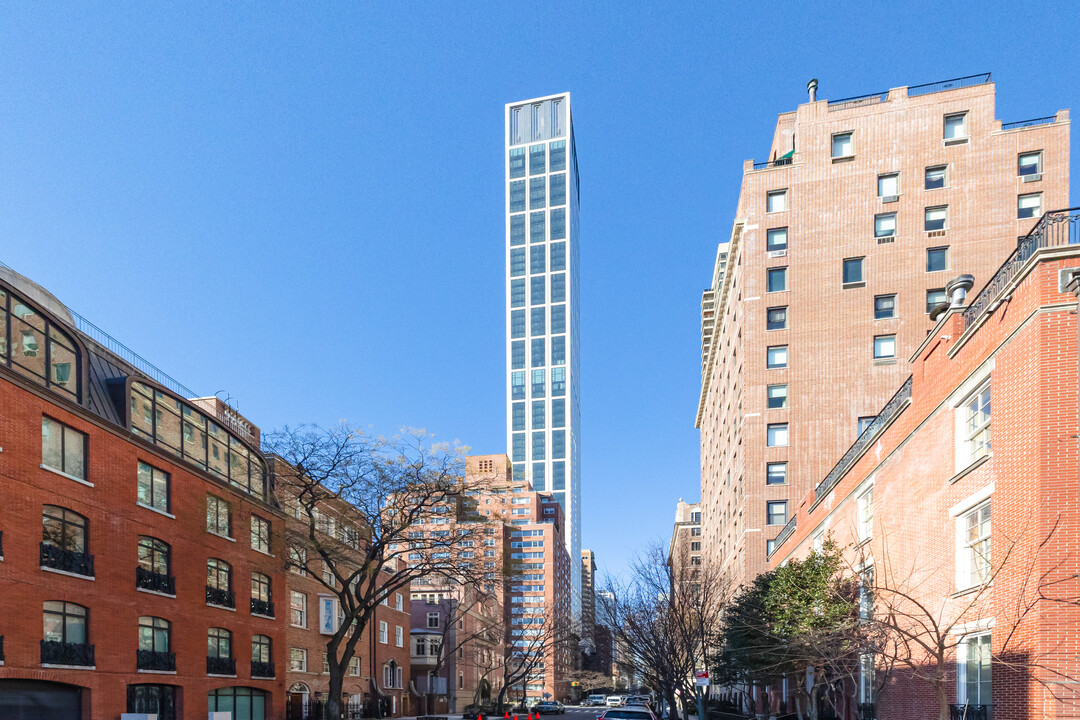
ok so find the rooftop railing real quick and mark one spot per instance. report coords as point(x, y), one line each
point(1055, 228)
point(772, 163)
point(954, 84)
point(1048, 120)
point(784, 534)
point(891, 410)
point(859, 100)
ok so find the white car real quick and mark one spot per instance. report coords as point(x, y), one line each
point(614, 700)
point(596, 700)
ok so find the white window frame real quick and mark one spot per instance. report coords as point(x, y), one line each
point(436, 617)
point(935, 208)
point(399, 602)
point(850, 135)
point(384, 633)
point(293, 595)
point(973, 443)
point(964, 128)
point(772, 195)
point(778, 348)
point(962, 649)
point(1020, 205)
point(1038, 163)
point(944, 176)
point(864, 508)
point(399, 636)
point(878, 354)
point(303, 660)
point(778, 428)
point(895, 177)
point(878, 219)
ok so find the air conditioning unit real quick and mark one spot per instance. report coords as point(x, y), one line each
point(1033, 178)
point(935, 233)
point(777, 253)
point(890, 198)
point(887, 239)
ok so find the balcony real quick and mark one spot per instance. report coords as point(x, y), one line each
point(154, 660)
point(969, 712)
point(261, 669)
point(220, 666)
point(262, 607)
point(220, 598)
point(154, 582)
point(69, 561)
point(62, 653)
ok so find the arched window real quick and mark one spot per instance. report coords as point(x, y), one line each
point(38, 348)
point(219, 659)
point(66, 635)
point(261, 664)
point(160, 699)
point(244, 703)
point(154, 634)
point(219, 583)
point(262, 601)
point(155, 555)
point(64, 541)
point(391, 675)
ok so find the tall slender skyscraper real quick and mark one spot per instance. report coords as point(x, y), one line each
point(542, 380)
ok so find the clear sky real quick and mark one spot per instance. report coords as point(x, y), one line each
point(301, 204)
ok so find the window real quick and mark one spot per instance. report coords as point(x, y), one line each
point(558, 257)
point(218, 517)
point(776, 239)
point(260, 652)
point(260, 534)
point(517, 230)
point(1028, 164)
point(67, 531)
point(538, 383)
point(558, 288)
point(558, 318)
point(154, 634)
point(776, 201)
point(776, 279)
point(776, 396)
point(776, 357)
point(977, 423)
point(433, 620)
point(354, 666)
point(538, 354)
point(152, 699)
point(557, 189)
point(934, 298)
point(853, 271)
point(398, 602)
point(937, 259)
point(155, 555)
point(885, 225)
point(399, 636)
point(842, 146)
point(519, 447)
point(536, 159)
point(866, 513)
point(776, 512)
point(776, 318)
point(973, 671)
point(517, 196)
point(517, 324)
point(260, 591)
point(884, 307)
point(956, 130)
point(864, 423)
point(696, 518)
point(776, 473)
point(558, 446)
point(558, 153)
point(538, 415)
point(888, 186)
point(558, 350)
point(935, 177)
point(537, 259)
point(695, 546)
point(517, 293)
point(777, 435)
point(218, 577)
point(38, 348)
point(884, 347)
point(153, 487)
point(538, 448)
point(297, 660)
point(558, 413)
point(558, 224)
point(218, 643)
point(65, 623)
point(384, 632)
point(935, 218)
point(537, 193)
point(298, 560)
point(298, 609)
point(1028, 206)
point(770, 547)
point(517, 354)
point(517, 262)
point(517, 162)
point(537, 231)
point(537, 295)
point(63, 448)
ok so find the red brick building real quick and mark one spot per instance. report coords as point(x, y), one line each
point(987, 421)
point(141, 554)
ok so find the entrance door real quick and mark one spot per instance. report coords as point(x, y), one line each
point(39, 700)
point(297, 706)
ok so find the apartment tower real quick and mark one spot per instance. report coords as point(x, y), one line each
point(542, 380)
point(842, 243)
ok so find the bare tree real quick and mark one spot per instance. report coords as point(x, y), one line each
point(359, 509)
point(527, 650)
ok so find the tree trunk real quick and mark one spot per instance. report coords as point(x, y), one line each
point(674, 709)
point(942, 695)
point(333, 701)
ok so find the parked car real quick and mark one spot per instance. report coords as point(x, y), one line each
point(614, 700)
point(550, 707)
point(596, 700)
point(634, 712)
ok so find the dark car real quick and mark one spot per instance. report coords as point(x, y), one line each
point(627, 713)
point(550, 707)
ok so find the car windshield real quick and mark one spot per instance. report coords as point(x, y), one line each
point(628, 715)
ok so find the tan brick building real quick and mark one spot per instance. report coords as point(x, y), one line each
point(841, 243)
point(986, 421)
point(685, 546)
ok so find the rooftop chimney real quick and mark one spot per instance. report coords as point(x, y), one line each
point(811, 87)
point(957, 289)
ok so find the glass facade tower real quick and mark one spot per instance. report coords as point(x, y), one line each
point(542, 381)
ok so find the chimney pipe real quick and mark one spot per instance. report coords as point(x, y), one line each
point(811, 87)
point(957, 289)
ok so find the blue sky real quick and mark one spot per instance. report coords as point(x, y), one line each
point(301, 204)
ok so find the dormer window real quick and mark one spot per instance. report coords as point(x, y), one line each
point(38, 348)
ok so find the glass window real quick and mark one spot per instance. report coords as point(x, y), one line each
point(935, 298)
point(298, 608)
point(537, 321)
point(864, 423)
point(36, 348)
point(536, 259)
point(558, 479)
point(853, 270)
point(776, 239)
point(154, 555)
point(558, 382)
point(557, 189)
point(153, 487)
point(537, 290)
point(935, 177)
point(776, 512)
point(63, 448)
point(557, 150)
point(536, 160)
point(558, 446)
point(538, 354)
point(218, 574)
point(888, 185)
point(956, 126)
point(537, 193)
point(260, 534)
point(518, 416)
point(517, 293)
point(885, 225)
point(64, 529)
point(776, 473)
point(776, 396)
point(517, 386)
point(776, 279)
point(517, 324)
point(219, 643)
point(776, 201)
point(538, 383)
point(558, 413)
point(154, 634)
point(1029, 164)
point(558, 288)
point(975, 525)
point(517, 162)
point(937, 259)
point(866, 513)
point(517, 196)
point(776, 318)
point(1028, 206)
point(538, 480)
point(558, 224)
point(884, 306)
point(244, 703)
point(558, 350)
point(777, 435)
point(538, 448)
point(558, 318)
point(770, 546)
point(152, 699)
point(517, 229)
point(935, 218)
point(218, 516)
point(260, 649)
point(519, 447)
point(776, 356)
point(260, 587)
point(842, 145)
point(297, 659)
point(538, 415)
point(517, 262)
point(517, 354)
point(537, 232)
point(65, 623)
point(558, 257)
point(977, 423)
point(884, 346)
point(974, 671)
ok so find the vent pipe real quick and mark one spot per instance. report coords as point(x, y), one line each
point(957, 289)
point(811, 87)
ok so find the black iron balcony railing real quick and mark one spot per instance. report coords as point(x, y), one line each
point(219, 597)
point(1054, 229)
point(1048, 120)
point(969, 712)
point(779, 162)
point(1, 543)
point(62, 653)
point(262, 669)
point(1, 648)
point(866, 711)
point(57, 558)
point(157, 582)
point(154, 660)
point(941, 85)
point(262, 607)
point(787, 532)
point(220, 666)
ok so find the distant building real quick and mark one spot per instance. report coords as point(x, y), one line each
point(588, 597)
point(685, 547)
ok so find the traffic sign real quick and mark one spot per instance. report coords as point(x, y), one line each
point(701, 678)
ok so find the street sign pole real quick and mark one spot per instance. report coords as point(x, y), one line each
point(701, 680)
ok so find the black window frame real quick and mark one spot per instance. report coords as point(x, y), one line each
point(152, 626)
point(155, 549)
point(153, 494)
point(222, 567)
point(64, 614)
point(75, 520)
point(81, 437)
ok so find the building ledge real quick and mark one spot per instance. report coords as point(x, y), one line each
point(971, 468)
point(63, 474)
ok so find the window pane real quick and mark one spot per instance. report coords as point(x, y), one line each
point(557, 189)
point(537, 260)
point(517, 162)
point(558, 382)
point(558, 413)
point(538, 354)
point(536, 159)
point(776, 473)
point(776, 201)
point(538, 449)
point(517, 229)
point(1029, 164)
point(519, 447)
point(884, 306)
point(853, 270)
point(517, 262)
point(517, 196)
point(841, 145)
point(558, 256)
point(537, 193)
point(558, 318)
point(885, 225)
point(777, 356)
point(777, 435)
point(1029, 205)
point(558, 350)
point(52, 444)
point(935, 177)
point(934, 298)
point(885, 346)
point(776, 319)
point(518, 422)
point(517, 385)
point(777, 396)
point(935, 218)
point(956, 126)
point(558, 224)
point(888, 185)
point(558, 155)
point(776, 279)
point(537, 232)
point(537, 321)
point(776, 239)
point(558, 288)
point(517, 293)
point(937, 259)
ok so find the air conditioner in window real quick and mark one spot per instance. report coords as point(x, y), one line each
point(935, 233)
point(886, 239)
point(1033, 178)
point(890, 198)
point(777, 253)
